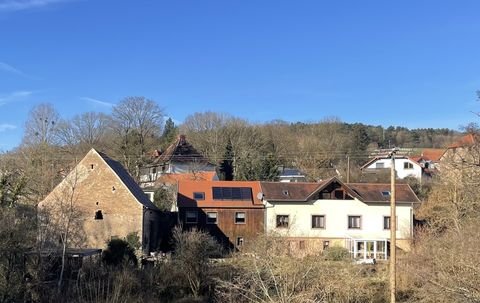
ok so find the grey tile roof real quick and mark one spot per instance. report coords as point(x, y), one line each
point(125, 177)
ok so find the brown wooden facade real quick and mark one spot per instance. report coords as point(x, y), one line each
point(232, 221)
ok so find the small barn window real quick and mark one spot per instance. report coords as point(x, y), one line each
point(98, 215)
point(240, 241)
point(92, 166)
point(113, 189)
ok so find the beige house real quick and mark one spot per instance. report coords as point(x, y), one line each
point(96, 202)
point(464, 153)
point(315, 216)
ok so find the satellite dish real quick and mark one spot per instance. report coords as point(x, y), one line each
point(260, 196)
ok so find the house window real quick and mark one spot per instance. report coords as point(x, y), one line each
point(240, 217)
point(407, 165)
point(212, 218)
point(98, 215)
point(191, 216)
point(240, 241)
point(318, 221)
point(199, 195)
point(387, 222)
point(354, 222)
point(379, 165)
point(282, 221)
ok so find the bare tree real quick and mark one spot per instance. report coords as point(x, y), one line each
point(87, 130)
point(137, 122)
point(192, 251)
point(41, 125)
point(266, 271)
point(61, 219)
point(206, 132)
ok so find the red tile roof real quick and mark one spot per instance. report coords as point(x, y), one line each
point(433, 154)
point(187, 188)
point(466, 140)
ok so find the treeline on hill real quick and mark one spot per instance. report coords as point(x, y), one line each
point(442, 266)
point(241, 150)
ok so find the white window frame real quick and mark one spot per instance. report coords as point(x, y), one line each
point(244, 218)
point(207, 217)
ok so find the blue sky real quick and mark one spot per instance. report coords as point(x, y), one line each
point(407, 63)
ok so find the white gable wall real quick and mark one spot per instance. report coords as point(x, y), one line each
point(402, 172)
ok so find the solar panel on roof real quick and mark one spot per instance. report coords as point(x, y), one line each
point(232, 193)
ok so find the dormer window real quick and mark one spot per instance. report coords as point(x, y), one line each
point(199, 195)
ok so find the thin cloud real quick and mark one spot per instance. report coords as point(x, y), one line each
point(10, 69)
point(5, 127)
point(96, 101)
point(20, 5)
point(15, 96)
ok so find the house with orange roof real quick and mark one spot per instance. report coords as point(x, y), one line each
point(316, 216)
point(462, 153)
point(231, 211)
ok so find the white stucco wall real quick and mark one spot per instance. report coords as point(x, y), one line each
point(336, 215)
point(416, 171)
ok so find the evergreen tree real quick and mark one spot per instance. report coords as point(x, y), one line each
point(269, 168)
point(169, 132)
point(226, 166)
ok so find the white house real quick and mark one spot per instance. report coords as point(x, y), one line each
point(315, 216)
point(404, 166)
point(179, 158)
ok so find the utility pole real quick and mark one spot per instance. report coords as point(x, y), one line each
point(393, 230)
